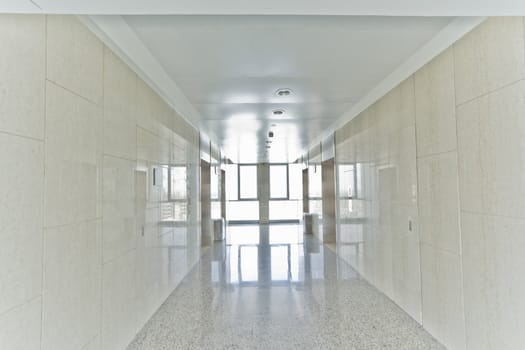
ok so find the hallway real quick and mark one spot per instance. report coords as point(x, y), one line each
point(271, 288)
point(132, 132)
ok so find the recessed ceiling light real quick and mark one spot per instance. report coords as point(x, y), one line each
point(283, 92)
point(278, 112)
point(273, 125)
point(268, 147)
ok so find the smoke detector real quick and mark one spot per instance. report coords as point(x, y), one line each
point(283, 92)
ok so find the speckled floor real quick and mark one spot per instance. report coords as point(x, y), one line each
point(269, 287)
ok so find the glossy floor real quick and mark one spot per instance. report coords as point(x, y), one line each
point(270, 287)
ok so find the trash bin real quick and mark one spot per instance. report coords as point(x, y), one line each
point(311, 224)
point(218, 229)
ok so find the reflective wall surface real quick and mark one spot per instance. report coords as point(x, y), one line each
point(100, 205)
point(430, 191)
point(377, 198)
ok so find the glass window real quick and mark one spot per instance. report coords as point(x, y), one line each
point(214, 190)
point(178, 182)
point(278, 181)
point(295, 181)
point(315, 181)
point(248, 181)
point(232, 185)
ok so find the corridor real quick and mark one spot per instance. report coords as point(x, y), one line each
point(225, 174)
point(270, 287)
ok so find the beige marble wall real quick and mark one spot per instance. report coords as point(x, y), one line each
point(437, 222)
point(86, 256)
point(377, 229)
point(328, 201)
point(491, 149)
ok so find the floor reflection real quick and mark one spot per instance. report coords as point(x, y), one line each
point(267, 255)
point(270, 287)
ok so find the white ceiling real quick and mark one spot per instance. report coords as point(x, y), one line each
point(229, 68)
point(272, 7)
point(221, 72)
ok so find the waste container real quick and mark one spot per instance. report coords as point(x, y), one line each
point(311, 223)
point(219, 229)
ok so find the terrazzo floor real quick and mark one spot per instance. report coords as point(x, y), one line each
point(271, 287)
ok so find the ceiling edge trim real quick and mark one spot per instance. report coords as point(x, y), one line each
point(440, 42)
point(273, 7)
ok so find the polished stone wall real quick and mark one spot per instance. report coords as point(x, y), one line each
point(436, 217)
point(88, 248)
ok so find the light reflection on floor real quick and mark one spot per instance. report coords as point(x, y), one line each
point(271, 287)
point(271, 254)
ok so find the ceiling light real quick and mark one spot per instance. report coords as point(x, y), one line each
point(283, 92)
point(273, 125)
point(278, 112)
point(270, 134)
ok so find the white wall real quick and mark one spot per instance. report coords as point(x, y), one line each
point(80, 135)
point(445, 151)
